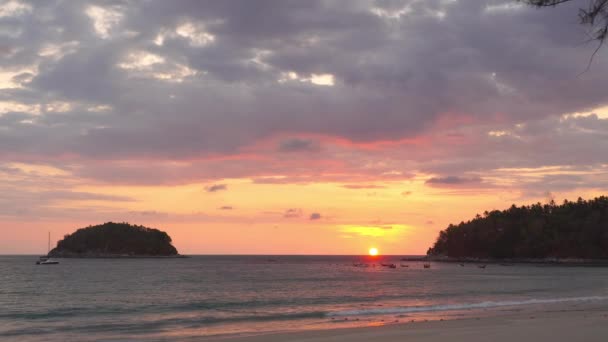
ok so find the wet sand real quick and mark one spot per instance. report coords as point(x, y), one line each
point(558, 325)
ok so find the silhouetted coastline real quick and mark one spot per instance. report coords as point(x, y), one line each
point(116, 240)
point(570, 233)
point(509, 261)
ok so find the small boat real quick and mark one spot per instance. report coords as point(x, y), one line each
point(481, 266)
point(392, 266)
point(46, 260)
point(461, 265)
point(427, 265)
point(402, 265)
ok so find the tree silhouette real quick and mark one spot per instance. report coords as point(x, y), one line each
point(114, 239)
point(595, 15)
point(570, 230)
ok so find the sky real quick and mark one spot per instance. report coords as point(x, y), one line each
point(292, 127)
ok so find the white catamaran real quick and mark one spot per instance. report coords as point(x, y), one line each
point(46, 260)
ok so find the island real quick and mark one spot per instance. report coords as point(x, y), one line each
point(115, 240)
point(573, 232)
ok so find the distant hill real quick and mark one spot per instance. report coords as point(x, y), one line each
point(115, 240)
point(570, 230)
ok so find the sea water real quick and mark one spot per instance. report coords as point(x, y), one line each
point(212, 296)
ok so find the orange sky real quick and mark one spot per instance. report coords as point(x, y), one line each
point(401, 217)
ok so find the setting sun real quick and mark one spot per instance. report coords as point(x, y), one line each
point(373, 251)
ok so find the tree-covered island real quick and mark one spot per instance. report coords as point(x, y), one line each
point(115, 240)
point(572, 230)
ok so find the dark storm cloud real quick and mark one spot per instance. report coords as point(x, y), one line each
point(230, 74)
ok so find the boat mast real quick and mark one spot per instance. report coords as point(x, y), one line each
point(48, 249)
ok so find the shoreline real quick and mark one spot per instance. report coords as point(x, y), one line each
point(511, 261)
point(561, 323)
point(119, 256)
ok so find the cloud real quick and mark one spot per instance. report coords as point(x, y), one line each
point(373, 231)
point(453, 180)
point(216, 187)
point(81, 196)
point(9, 170)
point(151, 93)
point(204, 55)
point(546, 186)
point(363, 186)
point(315, 216)
point(31, 205)
point(298, 145)
point(292, 213)
point(150, 214)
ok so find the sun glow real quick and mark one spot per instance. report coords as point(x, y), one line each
point(373, 251)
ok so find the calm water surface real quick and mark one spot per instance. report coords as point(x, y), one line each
point(182, 299)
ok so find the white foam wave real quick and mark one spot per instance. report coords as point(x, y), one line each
point(463, 306)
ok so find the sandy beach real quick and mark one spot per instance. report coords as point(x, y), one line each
point(566, 324)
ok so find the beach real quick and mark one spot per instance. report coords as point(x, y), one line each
point(565, 324)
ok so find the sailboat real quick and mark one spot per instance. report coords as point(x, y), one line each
point(46, 260)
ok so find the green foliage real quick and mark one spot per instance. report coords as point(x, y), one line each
point(571, 230)
point(116, 239)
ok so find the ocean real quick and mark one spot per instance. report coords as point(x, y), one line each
point(215, 296)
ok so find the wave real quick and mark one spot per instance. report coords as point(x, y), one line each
point(135, 326)
point(460, 306)
point(201, 306)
